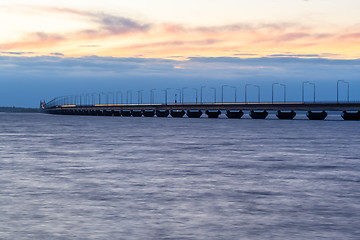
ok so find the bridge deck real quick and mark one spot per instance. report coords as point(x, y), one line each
point(296, 106)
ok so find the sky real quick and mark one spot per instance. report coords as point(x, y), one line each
point(62, 47)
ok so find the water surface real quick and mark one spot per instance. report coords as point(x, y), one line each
point(83, 177)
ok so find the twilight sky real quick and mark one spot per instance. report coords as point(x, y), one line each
point(61, 47)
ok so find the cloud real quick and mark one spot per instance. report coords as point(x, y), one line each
point(51, 76)
point(57, 54)
point(294, 55)
point(245, 54)
point(355, 35)
point(18, 53)
point(124, 36)
point(34, 40)
point(90, 46)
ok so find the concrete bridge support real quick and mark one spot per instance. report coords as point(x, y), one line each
point(116, 113)
point(148, 113)
point(92, 113)
point(107, 113)
point(234, 114)
point(194, 114)
point(84, 112)
point(162, 113)
point(258, 115)
point(213, 114)
point(316, 115)
point(355, 116)
point(136, 113)
point(286, 115)
point(126, 113)
point(177, 113)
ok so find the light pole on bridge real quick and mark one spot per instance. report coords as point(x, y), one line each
point(303, 89)
point(246, 87)
point(117, 97)
point(272, 91)
point(214, 94)
point(222, 93)
point(129, 92)
point(337, 90)
point(201, 93)
point(152, 95)
point(113, 96)
point(140, 96)
point(182, 94)
point(235, 92)
point(196, 99)
point(166, 93)
point(179, 95)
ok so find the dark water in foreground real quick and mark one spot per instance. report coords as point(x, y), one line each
point(74, 177)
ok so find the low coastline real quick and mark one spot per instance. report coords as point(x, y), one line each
point(19, 110)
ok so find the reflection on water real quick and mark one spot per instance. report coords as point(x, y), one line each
point(78, 177)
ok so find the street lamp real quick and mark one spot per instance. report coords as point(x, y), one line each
point(88, 98)
point(246, 86)
point(272, 91)
point(179, 95)
point(113, 96)
point(222, 93)
point(129, 92)
point(337, 88)
point(106, 97)
point(201, 94)
point(235, 91)
point(303, 89)
point(80, 100)
point(196, 90)
point(117, 97)
point(214, 94)
point(152, 95)
point(140, 96)
point(93, 95)
point(182, 94)
point(257, 86)
point(166, 89)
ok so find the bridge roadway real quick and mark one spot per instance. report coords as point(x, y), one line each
point(315, 111)
point(295, 106)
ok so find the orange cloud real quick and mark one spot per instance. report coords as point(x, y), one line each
point(124, 37)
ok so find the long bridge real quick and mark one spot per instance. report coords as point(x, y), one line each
point(87, 104)
point(315, 111)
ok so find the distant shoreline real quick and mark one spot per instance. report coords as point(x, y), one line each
point(19, 110)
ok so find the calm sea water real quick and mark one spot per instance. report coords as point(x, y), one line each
point(78, 177)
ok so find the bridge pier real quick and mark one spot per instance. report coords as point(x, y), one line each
point(162, 113)
point(126, 113)
point(136, 113)
point(194, 114)
point(234, 114)
point(99, 113)
point(316, 115)
point(116, 113)
point(213, 114)
point(84, 112)
point(258, 115)
point(148, 113)
point(107, 113)
point(177, 113)
point(351, 115)
point(92, 113)
point(286, 115)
